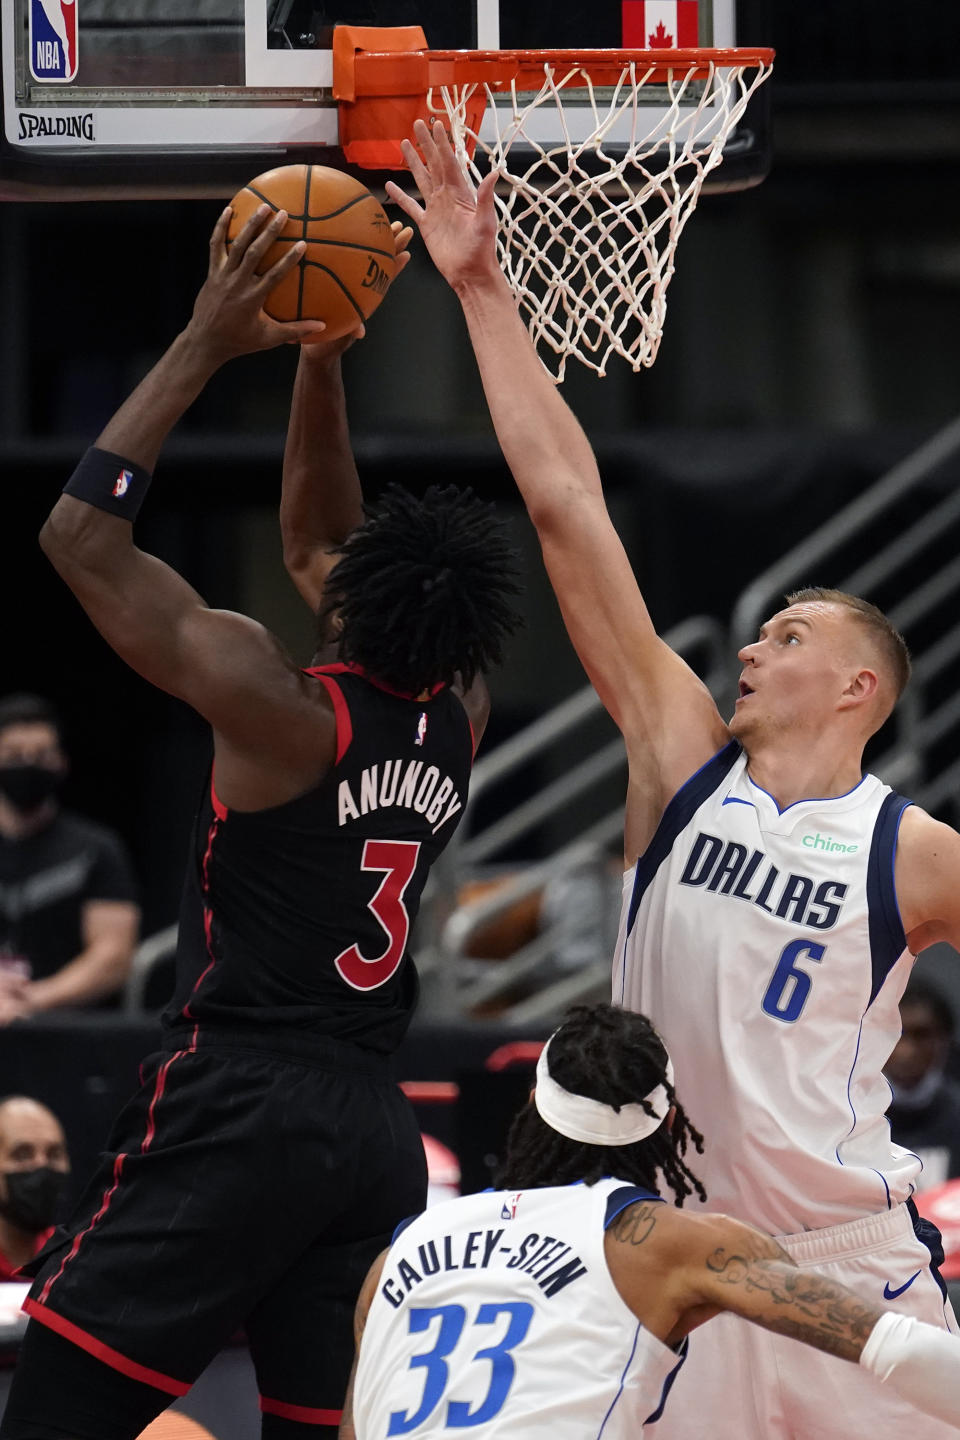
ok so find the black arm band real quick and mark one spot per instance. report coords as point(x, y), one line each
point(110, 483)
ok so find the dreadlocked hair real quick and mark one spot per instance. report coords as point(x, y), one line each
point(617, 1057)
point(423, 589)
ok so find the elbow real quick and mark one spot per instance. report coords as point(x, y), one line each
point(63, 549)
point(299, 559)
point(63, 532)
point(77, 537)
point(562, 509)
point(295, 551)
point(48, 538)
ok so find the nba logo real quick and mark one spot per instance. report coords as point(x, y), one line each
point(53, 40)
point(421, 728)
point(122, 483)
point(509, 1209)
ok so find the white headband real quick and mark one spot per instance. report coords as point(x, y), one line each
point(591, 1121)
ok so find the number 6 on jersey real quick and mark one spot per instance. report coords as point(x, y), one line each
point(398, 858)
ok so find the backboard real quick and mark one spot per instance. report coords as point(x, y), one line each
point(190, 97)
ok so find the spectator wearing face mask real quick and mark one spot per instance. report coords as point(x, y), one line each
point(924, 1114)
point(33, 1171)
point(68, 911)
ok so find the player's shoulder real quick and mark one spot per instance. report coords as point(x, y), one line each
point(922, 835)
point(928, 869)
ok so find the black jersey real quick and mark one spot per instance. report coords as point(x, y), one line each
point(299, 915)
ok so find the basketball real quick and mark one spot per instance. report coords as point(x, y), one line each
point(349, 261)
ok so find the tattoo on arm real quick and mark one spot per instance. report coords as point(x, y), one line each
point(633, 1225)
point(803, 1304)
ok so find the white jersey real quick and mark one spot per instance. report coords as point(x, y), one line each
point(767, 948)
point(496, 1314)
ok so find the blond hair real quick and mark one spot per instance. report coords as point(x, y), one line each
point(889, 642)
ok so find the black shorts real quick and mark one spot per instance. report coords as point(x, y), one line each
point(244, 1188)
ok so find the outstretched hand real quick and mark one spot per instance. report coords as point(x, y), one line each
point(458, 224)
point(228, 316)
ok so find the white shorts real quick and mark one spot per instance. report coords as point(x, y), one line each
point(741, 1382)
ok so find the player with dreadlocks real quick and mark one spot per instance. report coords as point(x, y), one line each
point(559, 1305)
point(271, 1109)
point(421, 595)
point(614, 1057)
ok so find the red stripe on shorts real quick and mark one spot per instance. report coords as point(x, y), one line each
point(104, 1207)
point(304, 1414)
point(158, 1089)
point(99, 1351)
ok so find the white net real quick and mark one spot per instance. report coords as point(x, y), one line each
point(588, 235)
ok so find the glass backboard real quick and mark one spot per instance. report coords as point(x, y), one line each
point(190, 97)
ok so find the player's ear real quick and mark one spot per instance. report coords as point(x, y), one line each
point(861, 689)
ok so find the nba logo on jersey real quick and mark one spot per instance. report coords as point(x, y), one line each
point(53, 40)
point(122, 483)
point(508, 1211)
point(421, 728)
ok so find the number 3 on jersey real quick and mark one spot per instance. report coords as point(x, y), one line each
point(398, 859)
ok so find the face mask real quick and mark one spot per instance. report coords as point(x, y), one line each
point(28, 786)
point(32, 1197)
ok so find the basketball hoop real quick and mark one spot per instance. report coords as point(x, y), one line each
point(588, 227)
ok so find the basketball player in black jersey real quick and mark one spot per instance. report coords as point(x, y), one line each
point(269, 1110)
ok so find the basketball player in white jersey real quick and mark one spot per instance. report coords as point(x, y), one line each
point(559, 1304)
point(774, 897)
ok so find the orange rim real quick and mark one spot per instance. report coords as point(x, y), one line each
point(383, 75)
point(502, 68)
point(393, 72)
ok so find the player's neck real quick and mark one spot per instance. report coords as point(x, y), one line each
point(792, 770)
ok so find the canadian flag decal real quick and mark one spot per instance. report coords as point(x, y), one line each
point(660, 24)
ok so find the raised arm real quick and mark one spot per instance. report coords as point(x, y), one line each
point(321, 500)
point(640, 680)
point(226, 666)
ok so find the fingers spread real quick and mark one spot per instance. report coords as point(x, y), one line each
point(416, 166)
point(262, 242)
point(406, 202)
point(277, 271)
point(486, 190)
point(427, 143)
point(247, 233)
point(446, 160)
